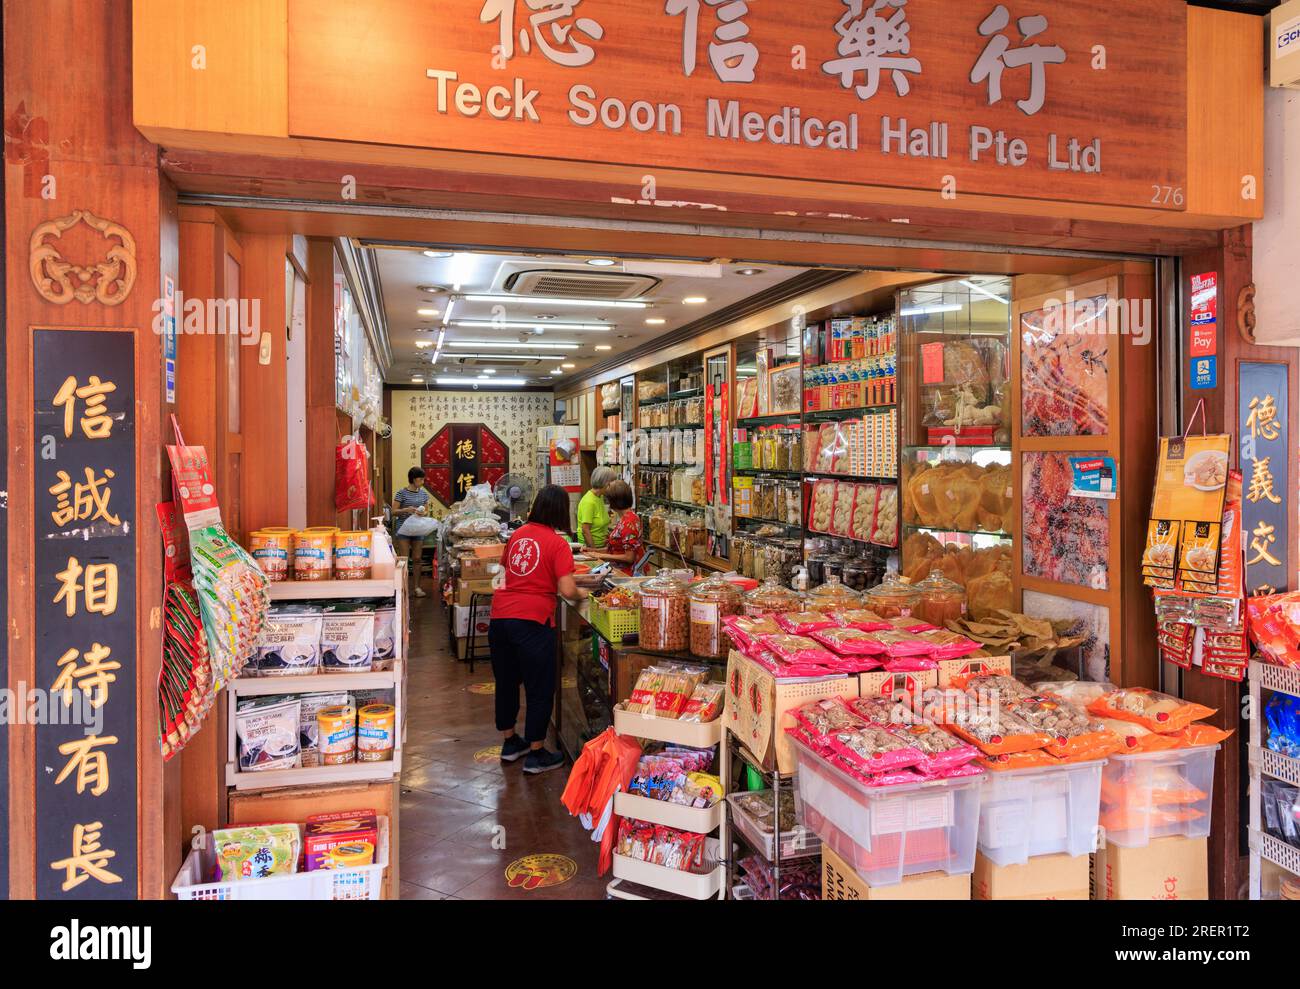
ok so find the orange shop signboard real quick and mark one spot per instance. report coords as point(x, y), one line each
point(1056, 99)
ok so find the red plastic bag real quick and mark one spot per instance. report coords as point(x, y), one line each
point(351, 475)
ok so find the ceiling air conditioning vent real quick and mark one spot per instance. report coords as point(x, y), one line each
point(560, 284)
point(514, 363)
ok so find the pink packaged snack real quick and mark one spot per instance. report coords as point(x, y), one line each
point(797, 649)
point(949, 645)
point(908, 624)
point(860, 619)
point(942, 751)
point(743, 630)
point(849, 642)
point(911, 664)
point(804, 622)
point(874, 749)
point(825, 716)
point(903, 644)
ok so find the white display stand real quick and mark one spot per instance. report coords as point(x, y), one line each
point(1265, 762)
point(395, 678)
point(694, 886)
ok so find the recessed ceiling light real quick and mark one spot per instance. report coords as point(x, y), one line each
point(545, 315)
point(426, 312)
point(694, 300)
point(431, 289)
point(749, 271)
point(655, 321)
point(437, 254)
point(489, 370)
point(601, 262)
point(556, 370)
point(603, 346)
point(424, 344)
point(416, 380)
point(568, 367)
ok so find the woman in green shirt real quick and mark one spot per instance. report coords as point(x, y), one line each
point(593, 516)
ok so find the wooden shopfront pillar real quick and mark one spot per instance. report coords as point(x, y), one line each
point(90, 246)
point(1232, 345)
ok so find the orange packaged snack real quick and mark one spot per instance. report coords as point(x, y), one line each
point(1197, 735)
point(1033, 759)
point(1124, 818)
point(1149, 708)
point(986, 726)
point(1135, 738)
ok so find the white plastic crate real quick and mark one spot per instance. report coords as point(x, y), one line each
point(1157, 795)
point(889, 832)
point(1027, 812)
point(362, 883)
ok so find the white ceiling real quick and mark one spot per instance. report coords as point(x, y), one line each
point(405, 274)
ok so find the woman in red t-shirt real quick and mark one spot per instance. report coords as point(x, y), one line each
point(536, 566)
point(624, 546)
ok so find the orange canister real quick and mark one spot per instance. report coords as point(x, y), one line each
point(352, 555)
point(313, 553)
point(376, 729)
point(337, 735)
point(272, 549)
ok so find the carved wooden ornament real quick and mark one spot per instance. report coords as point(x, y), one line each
point(58, 280)
point(1246, 313)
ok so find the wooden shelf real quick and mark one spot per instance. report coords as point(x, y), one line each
point(352, 772)
point(310, 590)
point(317, 683)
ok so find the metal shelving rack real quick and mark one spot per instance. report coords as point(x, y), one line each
point(1265, 762)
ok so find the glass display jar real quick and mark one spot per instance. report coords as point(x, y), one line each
point(696, 536)
point(892, 598)
point(818, 568)
point(860, 573)
point(665, 611)
point(791, 503)
point(833, 595)
point(711, 601)
point(942, 600)
point(770, 597)
point(783, 450)
point(659, 527)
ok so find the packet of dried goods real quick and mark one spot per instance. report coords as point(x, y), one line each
point(673, 688)
point(705, 703)
point(822, 512)
point(1274, 625)
point(804, 622)
point(745, 630)
point(1161, 553)
point(900, 644)
point(1031, 759)
point(1134, 738)
point(907, 623)
point(1076, 737)
point(985, 724)
point(842, 513)
point(798, 649)
point(942, 751)
point(1149, 708)
point(1196, 735)
point(256, 852)
point(1006, 687)
point(864, 513)
point(874, 749)
point(849, 642)
point(949, 645)
point(1080, 692)
point(861, 619)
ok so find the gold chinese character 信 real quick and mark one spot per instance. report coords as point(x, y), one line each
point(465, 482)
point(99, 588)
point(90, 764)
point(92, 677)
point(89, 859)
point(89, 499)
point(96, 423)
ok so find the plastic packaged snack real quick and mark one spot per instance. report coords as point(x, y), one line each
point(705, 703)
point(910, 624)
point(1075, 735)
point(347, 637)
point(942, 751)
point(1197, 734)
point(860, 619)
point(256, 852)
point(268, 736)
point(1149, 708)
point(842, 512)
point(1080, 692)
point(798, 649)
point(1135, 738)
point(849, 642)
point(949, 645)
point(1282, 715)
point(804, 622)
point(289, 643)
point(1005, 686)
point(744, 631)
point(988, 727)
point(900, 645)
point(662, 691)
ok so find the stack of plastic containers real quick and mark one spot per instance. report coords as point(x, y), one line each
point(1157, 795)
point(1029, 812)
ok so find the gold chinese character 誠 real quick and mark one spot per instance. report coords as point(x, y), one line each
point(82, 501)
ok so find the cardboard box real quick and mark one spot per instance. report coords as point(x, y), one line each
point(1167, 869)
point(479, 567)
point(949, 668)
point(465, 589)
point(1043, 877)
point(490, 551)
point(461, 620)
point(840, 881)
point(324, 832)
point(894, 685)
point(758, 706)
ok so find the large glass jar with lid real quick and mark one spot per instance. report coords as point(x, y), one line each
point(771, 597)
point(892, 598)
point(665, 611)
point(659, 527)
point(711, 601)
point(942, 600)
point(832, 596)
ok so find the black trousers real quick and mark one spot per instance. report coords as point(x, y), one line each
point(523, 653)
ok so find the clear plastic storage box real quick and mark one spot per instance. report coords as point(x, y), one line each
point(1027, 812)
point(889, 832)
point(1157, 795)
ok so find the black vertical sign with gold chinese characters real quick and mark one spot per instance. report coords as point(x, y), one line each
point(1266, 505)
point(84, 553)
point(464, 458)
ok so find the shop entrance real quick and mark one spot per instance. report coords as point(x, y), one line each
point(817, 413)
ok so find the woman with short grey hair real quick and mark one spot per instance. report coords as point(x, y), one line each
point(593, 515)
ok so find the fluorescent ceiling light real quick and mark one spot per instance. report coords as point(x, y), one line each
point(520, 299)
point(655, 321)
point(513, 344)
point(986, 293)
point(694, 300)
point(446, 315)
point(426, 312)
point(487, 324)
point(601, 262)
point(568, 367)
point(927, 310)
point(603, 346)
point(424, 344)
point(556, 371)
point(437, 254)
point(512, 357)
point(504, 382)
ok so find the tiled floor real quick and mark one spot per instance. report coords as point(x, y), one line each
point(464, 816)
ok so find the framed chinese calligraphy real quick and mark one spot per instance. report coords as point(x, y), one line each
point(85, 560)
point(1263, 392)
point(1050, 99)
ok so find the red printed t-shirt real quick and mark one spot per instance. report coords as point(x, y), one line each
point(535, 559)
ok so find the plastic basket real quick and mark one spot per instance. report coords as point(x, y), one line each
point(362, 883)
point(614, 623)
point(1157, 795)
point(888, 833)
point(1048, 811)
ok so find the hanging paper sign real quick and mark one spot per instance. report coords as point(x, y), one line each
point(192, 478)
point(932, 364)
point(1263, 393)
point(1093, 477)
point(84, 561)
point(566, 461)
point(709, 485)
